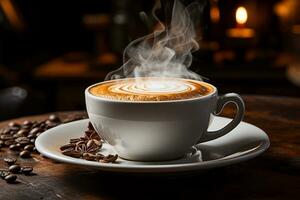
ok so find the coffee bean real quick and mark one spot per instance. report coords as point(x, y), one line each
point(30, 136)
point(83, 139)
point(81, 147)
point(14, 169)
point(67, 146)
point(90, 126)
point(5, 132)
point(32, 140)
point(35, 131)
point(6, 137)
point(74, 140)
point(93, 150)
point(89, 156)
point(27, 128)
point(14, 129)
point(51, 125)
point(81, 142)
point(23, 140)
point(35, 125)
point(89, 133)
point(22, 132)
point(42, 126)
point(87, 147)
point(24, 143)
point(4, 173)
point(16, 136)
point(9, 142)
point(99, 156)
point(20, 139)
point(72, 153)
point(109, 159)
point(26, 170)
point(29, 147)
point(1, 142)
point(92, 135)
point(14, 147)
point(54, 118)
point(10, 160)
point(48, 122)
point(27, 123)
point(25, 154)
point(98, 143)
point(90, 143)
point(10, 178)
point(13, 124)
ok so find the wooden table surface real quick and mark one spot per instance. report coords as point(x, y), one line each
point(273, 175)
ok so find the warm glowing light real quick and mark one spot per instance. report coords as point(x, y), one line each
point(241, 31)
point(215, 14)
point(241, 15)
point(11, 12)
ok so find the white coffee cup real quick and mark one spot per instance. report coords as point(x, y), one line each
point(159, 130)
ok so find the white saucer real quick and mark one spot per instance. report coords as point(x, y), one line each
point(244, 142)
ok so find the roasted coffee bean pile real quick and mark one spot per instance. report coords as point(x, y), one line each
point(9, 173)
point(20, 138)
point(87, 147)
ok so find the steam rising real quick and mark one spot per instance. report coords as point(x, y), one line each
point(167, 51)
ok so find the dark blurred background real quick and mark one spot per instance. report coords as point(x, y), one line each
point(51, 50)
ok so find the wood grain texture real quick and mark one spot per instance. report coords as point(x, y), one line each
point(273, 175)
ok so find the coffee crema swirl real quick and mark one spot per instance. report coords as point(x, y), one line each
point(150, 89)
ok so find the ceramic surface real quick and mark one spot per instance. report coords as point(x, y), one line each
point(242, 143)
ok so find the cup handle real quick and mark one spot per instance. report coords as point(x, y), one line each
point(222, 101)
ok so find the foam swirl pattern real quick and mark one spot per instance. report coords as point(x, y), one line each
point(150, 89)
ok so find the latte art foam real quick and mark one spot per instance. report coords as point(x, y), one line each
point(150, 89)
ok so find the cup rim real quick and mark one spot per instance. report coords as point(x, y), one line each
point(87, 93)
